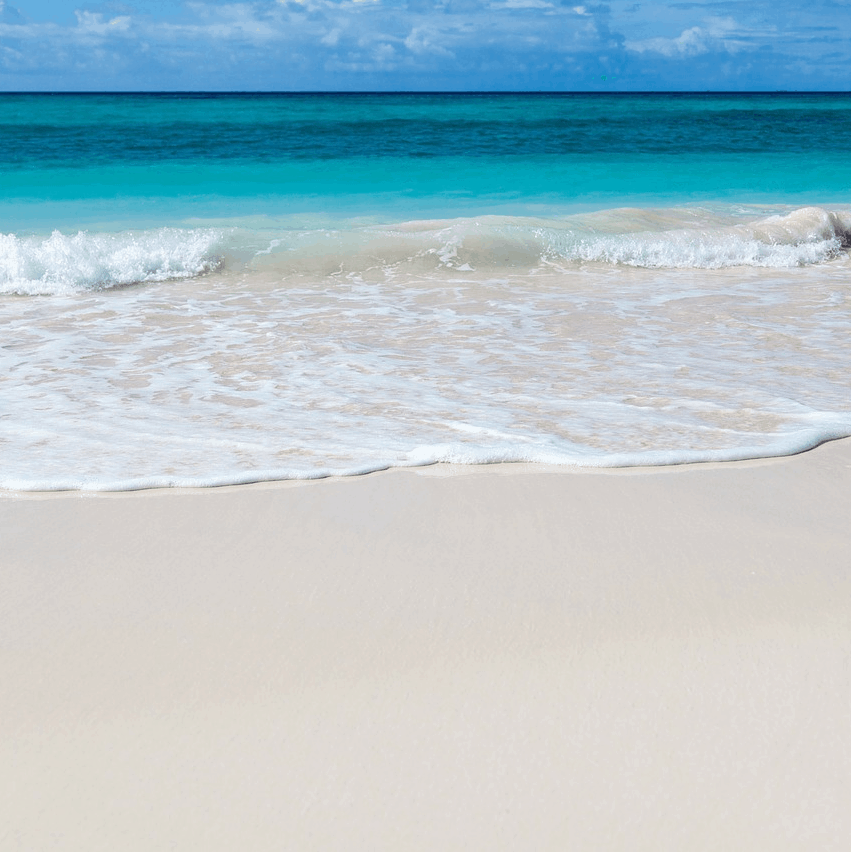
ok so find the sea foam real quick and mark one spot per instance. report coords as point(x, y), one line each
point(666, 239)
point(801, 238)
point(314, 352)
point(62, 264)
point(683, 238)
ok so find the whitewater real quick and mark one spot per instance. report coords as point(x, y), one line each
point(242, 331)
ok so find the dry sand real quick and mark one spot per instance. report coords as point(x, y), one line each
point(501, 658)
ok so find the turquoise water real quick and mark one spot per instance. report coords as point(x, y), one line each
point(69, 160)
point(204, 289)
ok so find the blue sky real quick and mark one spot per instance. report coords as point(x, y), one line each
point(424, 44)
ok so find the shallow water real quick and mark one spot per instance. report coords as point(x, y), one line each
point(214, 332)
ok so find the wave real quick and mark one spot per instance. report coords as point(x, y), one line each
point(60, 264)
point(792, 443)
point(803, 237)
point(679, 238)
point(655, 239)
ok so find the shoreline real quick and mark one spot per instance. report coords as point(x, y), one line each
point(438, 468)
point(486, 657)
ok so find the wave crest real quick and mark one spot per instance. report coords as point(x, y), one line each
point(656, 239)
point(61, 264)
point(678, 238)
point(801, 238)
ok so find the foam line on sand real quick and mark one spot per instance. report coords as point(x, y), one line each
point(501, 658)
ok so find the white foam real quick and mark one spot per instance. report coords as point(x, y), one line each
point(672, 239)
point(61, 264)
point(792, 443)
point(800, 238)
point(271, 372)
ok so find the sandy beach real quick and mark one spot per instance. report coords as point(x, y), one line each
point(502, 657)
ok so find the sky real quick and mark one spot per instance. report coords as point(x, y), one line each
point(437, 45)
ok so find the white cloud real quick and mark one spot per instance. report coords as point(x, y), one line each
point(384, 53)
point(235, 21)
point(715, 34)
point(690, 42)
point(422, 40)
point(320, 43)
point(93, 23)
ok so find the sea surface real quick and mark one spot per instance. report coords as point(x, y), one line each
point(206, 289)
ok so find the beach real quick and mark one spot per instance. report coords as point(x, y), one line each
point(425, 471)
point(478, 657)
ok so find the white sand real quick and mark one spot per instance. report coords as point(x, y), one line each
point(502, 658)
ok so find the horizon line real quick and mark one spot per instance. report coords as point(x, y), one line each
point(426, 92)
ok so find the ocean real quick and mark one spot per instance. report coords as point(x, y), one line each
point(206, 289)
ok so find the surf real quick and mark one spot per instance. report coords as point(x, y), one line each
point(63, 264)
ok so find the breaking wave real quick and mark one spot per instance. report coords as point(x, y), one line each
point(804, 237)
point(673, 239)
point(61, 264)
